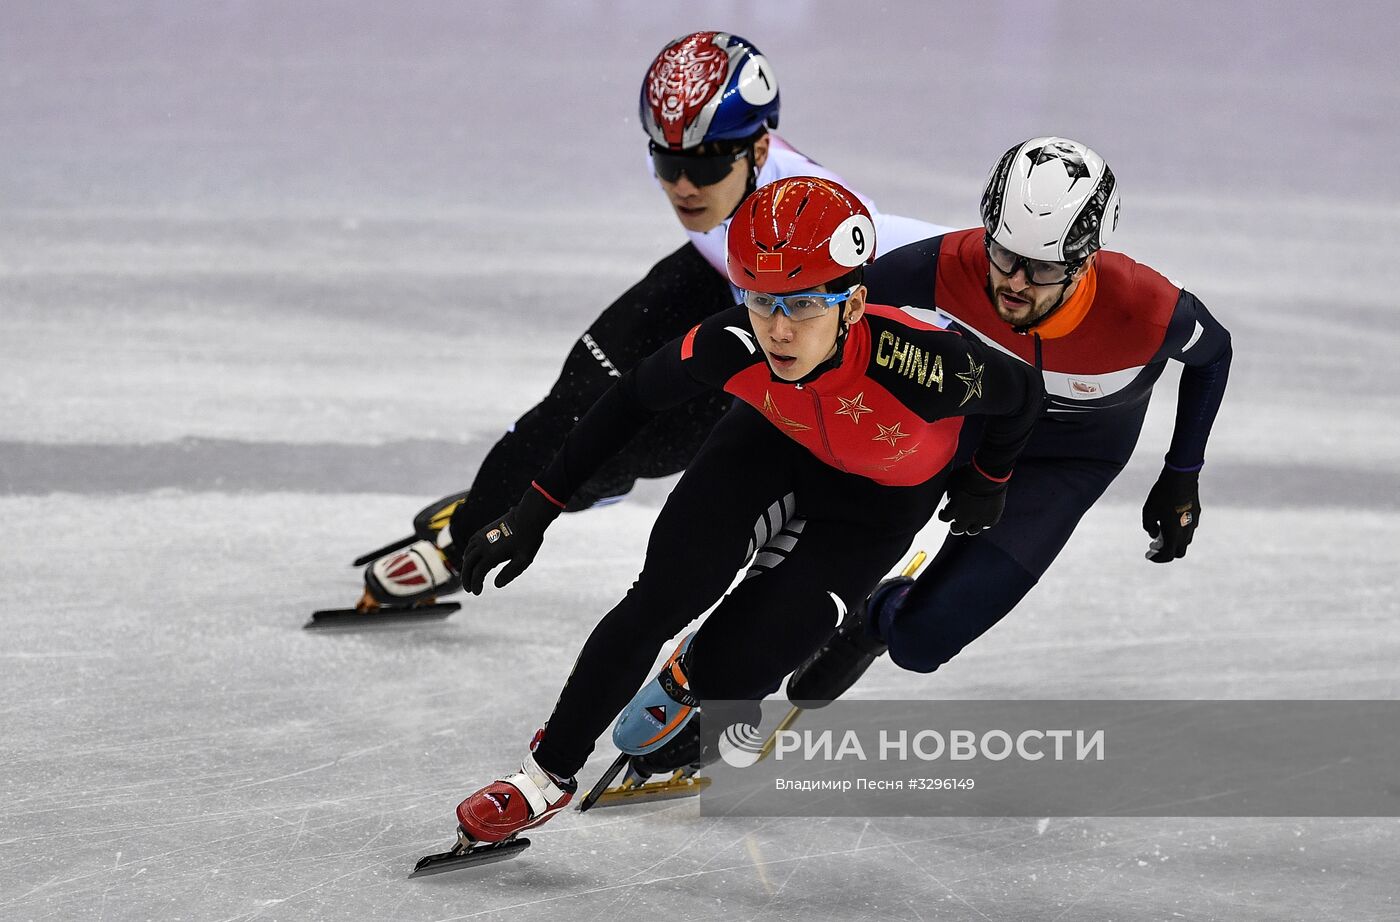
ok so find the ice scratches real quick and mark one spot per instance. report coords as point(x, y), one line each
point(758, 864)
point(315, 768)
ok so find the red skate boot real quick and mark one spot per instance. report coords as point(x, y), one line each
point(490, 821)
point(515, 803)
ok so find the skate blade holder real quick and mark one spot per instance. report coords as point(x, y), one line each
point(678, 785)
point(369, 614)
point(466, 854)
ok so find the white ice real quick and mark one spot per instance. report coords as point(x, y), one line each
point(273, 275)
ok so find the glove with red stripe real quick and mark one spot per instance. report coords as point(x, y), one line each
point(513, 540)
point(975, 500)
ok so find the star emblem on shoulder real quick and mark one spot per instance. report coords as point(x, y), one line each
point(890, 434)
point(853, 407)
point(973, 379)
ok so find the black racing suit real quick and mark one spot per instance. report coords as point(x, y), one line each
point(676, 294)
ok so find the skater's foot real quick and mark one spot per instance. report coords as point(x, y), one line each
point(416, 573)
point(660, 710)
point(515, 803)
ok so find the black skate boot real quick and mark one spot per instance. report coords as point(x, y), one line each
point(683, 751)
point(845, 656)
point(677, 762)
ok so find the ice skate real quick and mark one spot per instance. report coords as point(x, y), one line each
point(490, 821)
point(657, 714)
point(659, 710)
point(663, 774)
point(430, 520)
point(401, 587)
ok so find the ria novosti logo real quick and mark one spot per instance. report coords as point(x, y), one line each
point(741, 745)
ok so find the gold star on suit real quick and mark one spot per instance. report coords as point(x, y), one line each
point(853, 407)
point(973, 379)
point(890, 434)
point(772, 410)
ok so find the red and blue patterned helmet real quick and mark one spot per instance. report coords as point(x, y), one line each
point(708, 86)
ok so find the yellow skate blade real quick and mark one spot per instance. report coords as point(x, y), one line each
point(669, 789)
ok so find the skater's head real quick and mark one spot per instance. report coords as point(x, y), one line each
point(1049, 205)
point(707, 103)
point(798, 248)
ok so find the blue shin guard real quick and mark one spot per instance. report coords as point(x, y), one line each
point(658, 712)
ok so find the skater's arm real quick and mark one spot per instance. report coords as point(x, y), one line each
point(1172, 510)
point(515, 538)
point(683, 369)
point(701, 360)
point(1011, 394)
point(941, 374)
point(1012, 398)
point(1202, 344)
point(675, 294)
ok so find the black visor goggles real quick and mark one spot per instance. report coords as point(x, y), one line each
point(1038, 271)
point(701, 169)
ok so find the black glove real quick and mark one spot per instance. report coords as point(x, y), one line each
point(1171, 514)
point(514, 539)
point(975, 501)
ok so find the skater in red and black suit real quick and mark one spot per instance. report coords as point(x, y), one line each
point(1034, 284)
point(863, 443)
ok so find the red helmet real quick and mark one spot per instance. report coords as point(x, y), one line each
point(797, 234)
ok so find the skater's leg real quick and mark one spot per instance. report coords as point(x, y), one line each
point(770, 623)
point(974, 581)
point(699, 542)
point(969, 586)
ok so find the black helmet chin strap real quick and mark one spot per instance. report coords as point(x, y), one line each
point(1027, 327)
point(751, 185)
point(830, 364)
point(1030, 325)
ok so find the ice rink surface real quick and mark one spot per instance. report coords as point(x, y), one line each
point(274, 275)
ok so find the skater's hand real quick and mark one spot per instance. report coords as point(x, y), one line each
point(1171, 514)
point(513, 540)
point(975, 501)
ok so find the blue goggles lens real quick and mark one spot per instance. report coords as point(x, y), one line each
point(807, 305)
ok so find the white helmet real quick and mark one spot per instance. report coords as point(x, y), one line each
point(1052, 199)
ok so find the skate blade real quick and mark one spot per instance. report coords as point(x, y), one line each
point(588, 800)
point(670, 789)
point(455, 860)
point(384, 616)
point(785, 724)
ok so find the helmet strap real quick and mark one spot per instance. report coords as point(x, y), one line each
point(1027, 327)
point(836, 357)
point(752, 184)
point(1059, 303)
